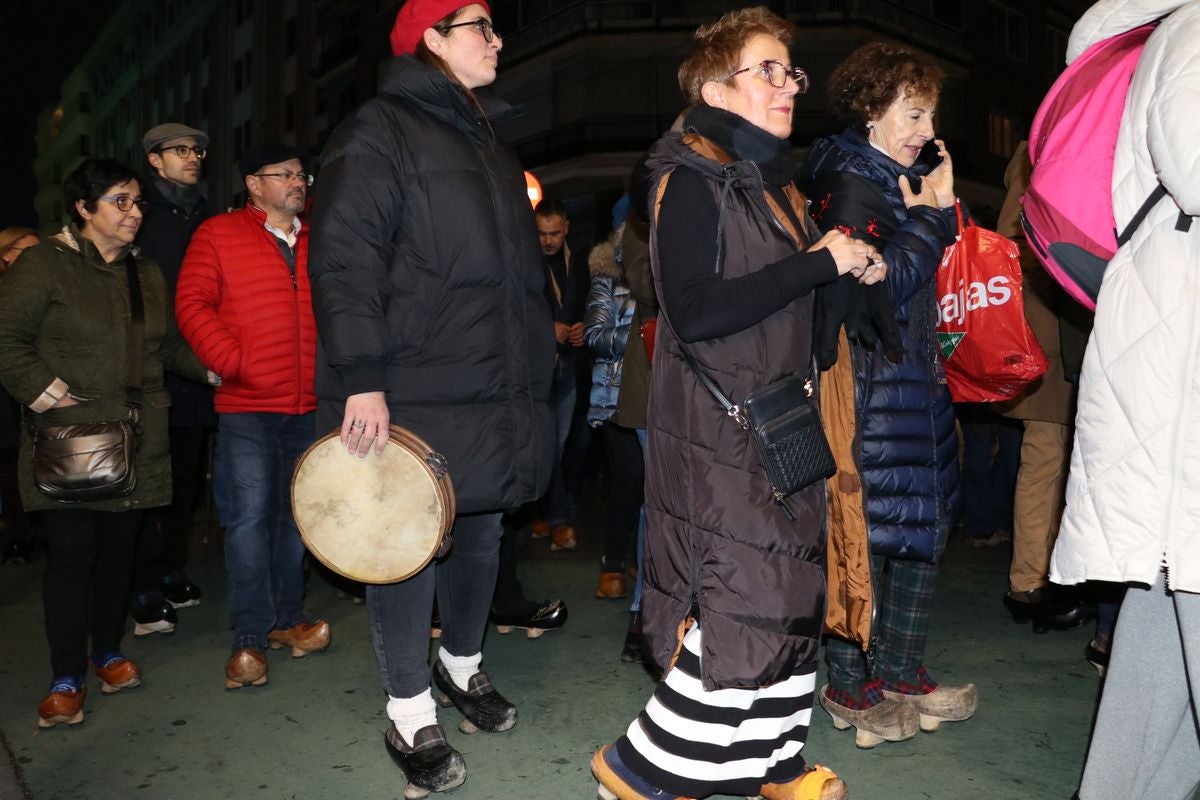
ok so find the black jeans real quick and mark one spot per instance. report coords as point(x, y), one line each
point(89, 575)
point(400, 613)
point(163, 543)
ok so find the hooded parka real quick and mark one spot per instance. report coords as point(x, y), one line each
point(719, 549)
point(444, 312)
point(1133, 496)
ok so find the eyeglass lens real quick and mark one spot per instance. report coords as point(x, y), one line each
point(184, 150)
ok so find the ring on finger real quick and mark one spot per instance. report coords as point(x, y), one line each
point(358, 424)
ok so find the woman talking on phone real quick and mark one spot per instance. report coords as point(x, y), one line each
point(873, 182)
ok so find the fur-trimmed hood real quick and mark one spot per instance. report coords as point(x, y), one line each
point(604, 258)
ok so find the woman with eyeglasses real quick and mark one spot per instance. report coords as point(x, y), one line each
point(427, 286)
point(65, 317)
point(735, 580)
point(887, 180)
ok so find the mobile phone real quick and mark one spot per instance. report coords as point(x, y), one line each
point(929, 154)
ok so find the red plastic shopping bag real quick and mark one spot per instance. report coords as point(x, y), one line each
point(989, 351)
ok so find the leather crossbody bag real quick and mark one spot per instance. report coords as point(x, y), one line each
point(786, 429)
point(84, 461)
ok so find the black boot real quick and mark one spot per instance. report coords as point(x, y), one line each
point(152, 614)
point(483, 706)
point(180, 591)
point(430, 764)
point(1048, 609)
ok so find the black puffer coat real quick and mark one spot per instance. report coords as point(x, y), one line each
point(717, 544)
point(427, 283)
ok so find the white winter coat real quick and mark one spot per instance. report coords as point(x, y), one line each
point(1133, 497)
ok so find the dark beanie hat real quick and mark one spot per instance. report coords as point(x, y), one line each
point(259, 155)
point(418, 16)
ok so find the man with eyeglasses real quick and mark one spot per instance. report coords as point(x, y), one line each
point(172, 210)
point(245, 307)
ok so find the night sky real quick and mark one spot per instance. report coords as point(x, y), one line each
point(42, 42)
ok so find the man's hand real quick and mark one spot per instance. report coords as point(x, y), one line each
point(575, 334)
point(562, 332)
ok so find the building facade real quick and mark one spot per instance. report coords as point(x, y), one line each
point(597, 79)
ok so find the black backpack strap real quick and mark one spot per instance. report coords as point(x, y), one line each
point(1183, 224)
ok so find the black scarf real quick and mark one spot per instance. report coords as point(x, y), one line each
point(745, 141)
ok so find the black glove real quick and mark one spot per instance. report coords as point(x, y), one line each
point(873, 320)
point(834, 304)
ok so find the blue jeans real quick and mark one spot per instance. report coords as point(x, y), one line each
point(556, 504)
point(400, 613)
point(252, 474)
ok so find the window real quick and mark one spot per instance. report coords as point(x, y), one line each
point(1009, 30)
point(1003, 134)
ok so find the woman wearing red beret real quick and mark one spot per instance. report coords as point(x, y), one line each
point(427, 285)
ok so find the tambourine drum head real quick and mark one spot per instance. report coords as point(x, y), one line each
point(377, 519)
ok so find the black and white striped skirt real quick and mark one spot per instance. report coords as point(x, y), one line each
point(695, 743)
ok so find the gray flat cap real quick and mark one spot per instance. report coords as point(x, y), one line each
point(161, 134)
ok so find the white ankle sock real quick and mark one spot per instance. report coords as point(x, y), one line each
point(460, 668)
point(410, 714)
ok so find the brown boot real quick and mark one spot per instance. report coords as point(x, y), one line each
point(246, 667)
point(889, 721)
point(303, 638)
point(818, 783)
point(563, 538)
point(116, 674)
point(63, 704)
point(611, 585)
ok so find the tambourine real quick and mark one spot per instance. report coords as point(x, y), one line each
point(378, 519)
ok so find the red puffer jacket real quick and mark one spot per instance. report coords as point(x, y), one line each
point(248, 316)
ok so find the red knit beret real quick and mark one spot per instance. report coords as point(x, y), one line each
point(417, 16)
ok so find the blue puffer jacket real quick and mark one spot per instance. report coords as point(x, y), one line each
point(909, 448)
point(606, 321)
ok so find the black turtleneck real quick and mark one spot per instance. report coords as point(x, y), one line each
point(701, 303)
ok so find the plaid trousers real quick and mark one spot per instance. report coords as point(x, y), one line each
point(903, 605)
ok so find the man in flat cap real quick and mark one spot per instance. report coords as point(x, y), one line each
point(174, 209)
point(244, 305)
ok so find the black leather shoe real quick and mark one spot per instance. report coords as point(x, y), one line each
point(152, 614)
point(484, 708)
point(534, 618)
point(1024, 606)
point(430, 764)
point(1097, 658)
point(180, 592)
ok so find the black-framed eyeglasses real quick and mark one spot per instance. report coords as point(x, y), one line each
point(184, 150)
point(776, 74)
point(288, 176)
point(482, 24)
point(124, 202)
